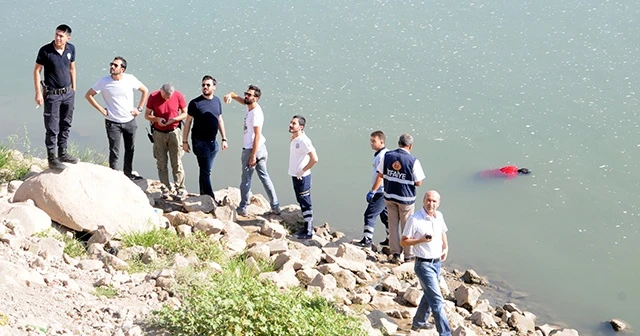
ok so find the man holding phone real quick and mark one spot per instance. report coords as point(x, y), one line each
point(426, 231)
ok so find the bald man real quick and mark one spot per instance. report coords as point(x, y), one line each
point(426, 231)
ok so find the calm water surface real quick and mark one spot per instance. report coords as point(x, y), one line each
point(549, 85)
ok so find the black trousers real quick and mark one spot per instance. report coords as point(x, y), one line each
point(127, 132)
point(58, 114)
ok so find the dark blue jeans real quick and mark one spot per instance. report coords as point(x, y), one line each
point(205, 152)
point(432, 302)
point(375, 208)
point(58, 114)
point(127, 132)
point(302, 188)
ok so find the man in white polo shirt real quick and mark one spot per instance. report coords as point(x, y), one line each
point(302, 156)
point(426, 231)
point(254, 151)
point(120, 113)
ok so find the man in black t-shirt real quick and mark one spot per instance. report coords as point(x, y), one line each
point(57, 93)
point(205, 113)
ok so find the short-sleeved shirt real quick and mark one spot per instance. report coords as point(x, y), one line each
point(56, 66)
point(420, 224)
point(253, 118)
point(377, 157)
point(166, 109)
point(299, 154)
point(205, 113)
point(118, 95)
point(418, 173)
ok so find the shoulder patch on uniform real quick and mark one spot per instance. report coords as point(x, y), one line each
point(396, 165)
point(68, 55)
point(298, 145)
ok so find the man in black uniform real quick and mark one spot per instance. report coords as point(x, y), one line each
point(57, 93)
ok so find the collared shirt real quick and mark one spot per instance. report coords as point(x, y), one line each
point(56, 65)
point(421, 224)
point(298, 154)
point(377, 157)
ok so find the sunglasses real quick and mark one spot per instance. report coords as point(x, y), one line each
point(115, 65)
point(207, 85)
point(249, 94)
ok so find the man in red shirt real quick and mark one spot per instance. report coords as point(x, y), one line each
point(166, 108)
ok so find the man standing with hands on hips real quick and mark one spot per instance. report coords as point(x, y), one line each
point(254, 151)
point(57, 93)
point(166, 108)
point(302, 156)
point(121, 112)
point(426, 231)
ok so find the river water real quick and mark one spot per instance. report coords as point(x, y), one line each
point(548, 85)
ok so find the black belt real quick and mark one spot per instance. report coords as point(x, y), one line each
point(434, 260)
point(59, 91)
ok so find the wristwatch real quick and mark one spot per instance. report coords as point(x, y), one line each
point(140, 109)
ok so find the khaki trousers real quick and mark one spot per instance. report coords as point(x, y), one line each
point(398, 216)
point(168, 146)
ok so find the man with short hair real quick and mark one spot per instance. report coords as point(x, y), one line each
point(254, 151)
point(302, 157)
point(375, 200)
point(401, 173)
point(120, 113)
point(57, 93)
point(205, 113)
point(166, 108)
point(426, 231)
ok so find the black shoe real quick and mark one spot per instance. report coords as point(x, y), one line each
point(135, 178)
point(385, 242)
point(55, 164)
point(364, 242)
point(426, 326)
point(303, 236)
point(395, 259)
point(68, 158)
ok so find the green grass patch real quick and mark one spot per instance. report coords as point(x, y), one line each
point(72, 247)
point(237, 303)
point(167, 244)
point(106, 291)
point(86, 154)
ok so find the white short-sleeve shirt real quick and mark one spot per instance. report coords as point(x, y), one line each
point(420, 224)
point(252, 119)
point(299, 154)
point(118, 95)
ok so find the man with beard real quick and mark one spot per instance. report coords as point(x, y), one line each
point(57, 93)
point(166, 109)
point(254, 151)
point(426, 231)
point(302, 157)
point(120, 113)
point(205, 113)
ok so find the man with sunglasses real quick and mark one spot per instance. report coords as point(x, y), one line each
point(205, 113)
point(254, 151)
point(57, 93)
point(120, 112)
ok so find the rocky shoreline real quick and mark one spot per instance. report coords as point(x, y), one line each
point(45, 291)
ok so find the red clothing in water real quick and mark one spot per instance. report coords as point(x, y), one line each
point(509, 170)
point(506, 171)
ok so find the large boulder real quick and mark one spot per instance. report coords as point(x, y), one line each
point(86, 195)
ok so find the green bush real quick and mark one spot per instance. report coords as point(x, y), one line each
point(107, 291)
point(167, 244)
point(237, 303)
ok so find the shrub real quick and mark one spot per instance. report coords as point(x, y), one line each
point(106, 291)
point(167, 244)
point(237, 303)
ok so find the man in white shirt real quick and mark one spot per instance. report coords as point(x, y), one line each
point(120, 112)
point(426, 231)
point(302, 156)
point(254, 151)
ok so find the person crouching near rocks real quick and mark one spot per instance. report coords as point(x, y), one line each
point(426, 231)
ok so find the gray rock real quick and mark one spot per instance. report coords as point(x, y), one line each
point(467, 296)
point(50, 249)
point(521, 323)
point(202, 203)
point(413, 295)
point(392, 284)
point(306, 275)
point(149, 255)
point(100, 236)
point(382, 321)
point(483, 320)
point(564, 332)
point(351, 252)
point(90, 265)
point(260, 251)
point(345, 279)
point(184, 230)
point(209, 225)
point(463, 331)
point(471, 277)
point(324, 282)
point(26, 216)
point(273, 230)
point(618, 324)
point(278, 246)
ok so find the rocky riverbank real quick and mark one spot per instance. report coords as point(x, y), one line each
point(46, 291)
